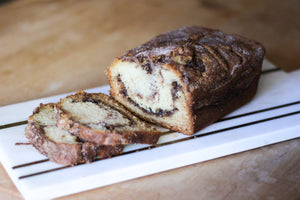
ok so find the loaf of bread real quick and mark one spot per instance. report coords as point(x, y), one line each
point(98, 118)
point(59, 145)
point(187, 79)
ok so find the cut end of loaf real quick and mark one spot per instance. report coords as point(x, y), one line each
point(154, 93)
point(176, 76)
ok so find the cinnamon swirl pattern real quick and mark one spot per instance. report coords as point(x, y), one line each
point(186, 79)
point(98, 118)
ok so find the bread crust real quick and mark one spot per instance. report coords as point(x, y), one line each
point(213, 67)
point(149, 135)
point(65, 153)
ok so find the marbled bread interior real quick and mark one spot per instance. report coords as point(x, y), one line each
point(58, 144)
point(98, 118)
point(186, 79)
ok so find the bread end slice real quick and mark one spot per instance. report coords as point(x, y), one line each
point(60, 146)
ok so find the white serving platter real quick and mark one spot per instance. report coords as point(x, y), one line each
point(273, 116)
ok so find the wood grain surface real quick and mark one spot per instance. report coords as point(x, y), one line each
point(51, 47)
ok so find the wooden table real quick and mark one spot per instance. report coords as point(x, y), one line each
point(53, 47)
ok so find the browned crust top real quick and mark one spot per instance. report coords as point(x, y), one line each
point(205, 58)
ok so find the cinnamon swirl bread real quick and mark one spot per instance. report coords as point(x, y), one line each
point(98, 118)
point(186, 79)
point(59, 145)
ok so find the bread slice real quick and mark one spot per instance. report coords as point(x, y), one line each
point(59, 145)
point(98, 118)
point(186, 79)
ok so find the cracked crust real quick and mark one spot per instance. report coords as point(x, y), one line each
point(126, 128)
point(204, 57)
point(69, 152)
point(216, 72)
